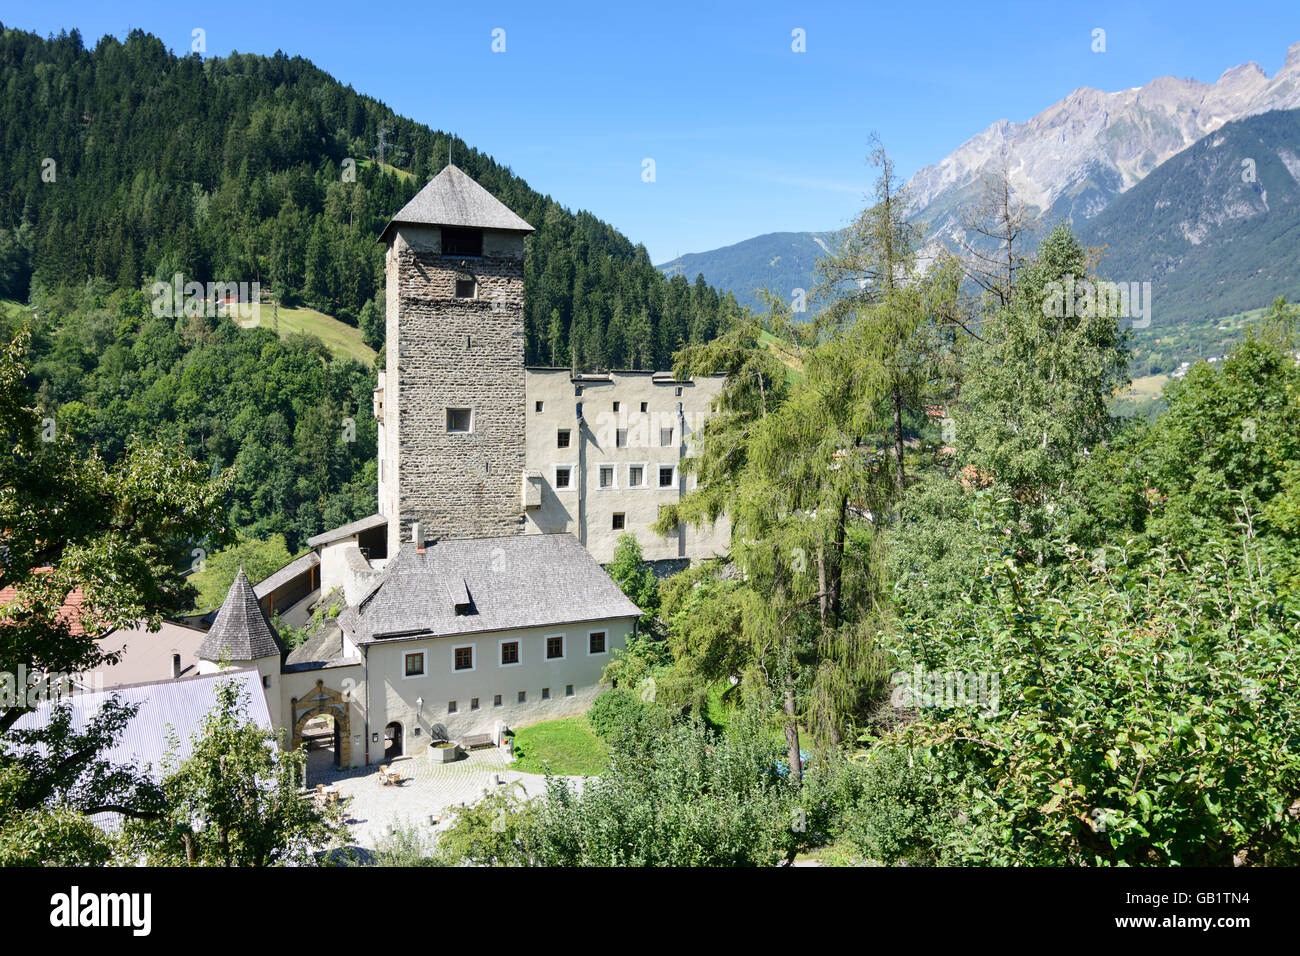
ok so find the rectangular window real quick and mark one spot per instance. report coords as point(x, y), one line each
point(645, 406)
point(678, 391)
point(415, 665)
point(555, 647)
point(666, 476)
point(451, 707)
point(464, 658)
point(620, 438)
point(539, 406)
point(510, 652)
point(607, 476)
point(596, 642)
point(568, 690)
point(616, 406)
point(523, 697)
point(562, 476)
point(462, 242)
point(561, 437)
point(496, 700)
point(466, 289)
point(473, 703)
point(546, 693)
point(665, 437)
point(636, 476)
point(459, 420)
point(618, 521)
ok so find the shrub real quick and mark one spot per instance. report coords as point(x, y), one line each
point(613, 711)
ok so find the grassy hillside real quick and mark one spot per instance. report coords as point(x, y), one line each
point(341, 339)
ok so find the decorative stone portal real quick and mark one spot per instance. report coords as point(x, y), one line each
point(323, 702)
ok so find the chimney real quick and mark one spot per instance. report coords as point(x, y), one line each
point(176, 666)
point(417, 537)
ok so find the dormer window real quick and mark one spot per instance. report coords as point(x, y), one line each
point(462, 242)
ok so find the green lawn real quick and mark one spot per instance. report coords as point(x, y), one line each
point(568, 747)
point(339, 337)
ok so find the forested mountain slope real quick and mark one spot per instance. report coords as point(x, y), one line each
point(129, 163)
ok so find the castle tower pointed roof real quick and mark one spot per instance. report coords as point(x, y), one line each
point(241, 631)
point(452, 198)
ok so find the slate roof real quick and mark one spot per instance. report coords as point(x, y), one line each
point(241, 631)
point(166, 706)
point(534, 580)
point(295, 568)
point(453, 199)
point(322, 649)
point(347, 530)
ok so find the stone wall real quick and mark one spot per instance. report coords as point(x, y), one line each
point(451, 352)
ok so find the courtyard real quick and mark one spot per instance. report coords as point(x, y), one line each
point(426, 790)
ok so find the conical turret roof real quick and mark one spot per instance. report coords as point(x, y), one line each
point(241, 631)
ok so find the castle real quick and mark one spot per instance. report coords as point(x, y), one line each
point(472, 442)
point(474, 598)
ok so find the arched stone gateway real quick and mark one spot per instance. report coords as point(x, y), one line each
point(328, 703)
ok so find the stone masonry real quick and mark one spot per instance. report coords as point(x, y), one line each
point(454, 352)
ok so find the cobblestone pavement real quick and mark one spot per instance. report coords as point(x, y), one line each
point(427, 789)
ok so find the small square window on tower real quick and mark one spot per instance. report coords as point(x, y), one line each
point(466, 289)
point(618, 520)
point(665, 437)
point(459, 420)
point(561, 437)
point(645, 406)
point(607, 476)
point(616, 406)
point(563, 476)
point(667, 474)
point(539, 406)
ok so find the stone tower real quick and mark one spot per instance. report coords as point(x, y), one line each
point(451, 400)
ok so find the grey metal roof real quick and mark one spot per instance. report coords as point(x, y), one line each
point(452, 198)
point(347, 530)
point(165, 707)
point(241, 631)
point(295, 568)
point(512, 582)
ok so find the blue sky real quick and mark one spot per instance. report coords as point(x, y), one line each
point(747, 135)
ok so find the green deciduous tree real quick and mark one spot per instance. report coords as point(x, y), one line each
point(235, 801)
